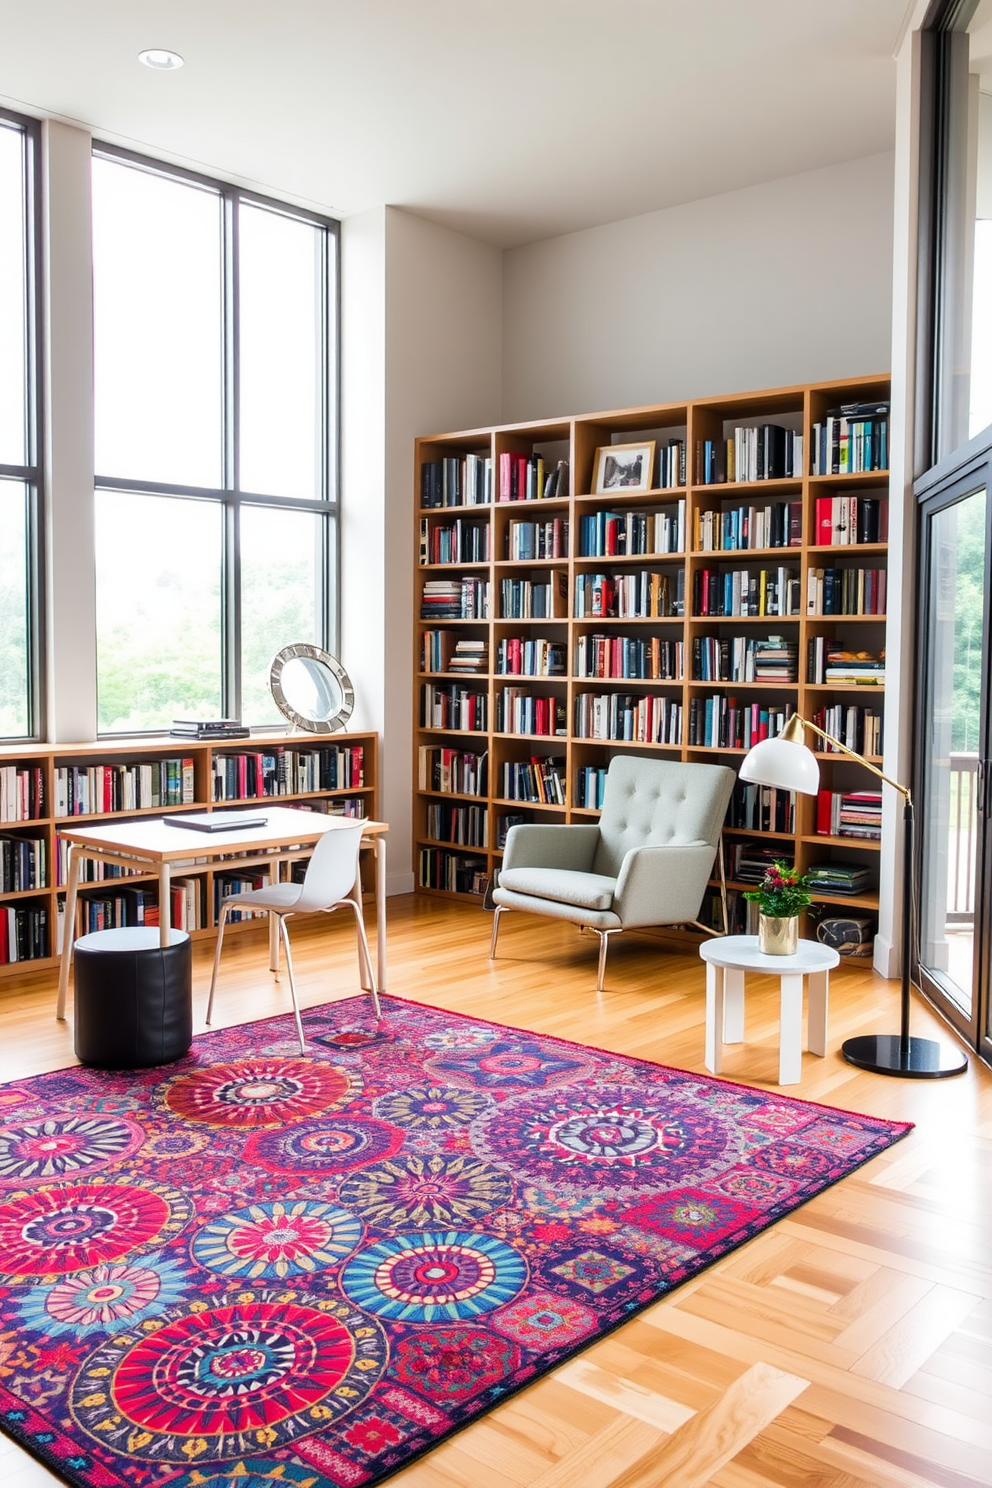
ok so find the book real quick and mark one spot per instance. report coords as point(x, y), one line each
point(219, 821)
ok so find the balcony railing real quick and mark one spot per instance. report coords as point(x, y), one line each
point(962, 831)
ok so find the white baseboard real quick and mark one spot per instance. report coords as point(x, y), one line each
point(400, 883)
point(886, 958)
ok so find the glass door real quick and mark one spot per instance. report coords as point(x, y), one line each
point(952, 769)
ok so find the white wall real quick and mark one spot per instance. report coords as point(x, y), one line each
point(421, 354)
point(785, 282)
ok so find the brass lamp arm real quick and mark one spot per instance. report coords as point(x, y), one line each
point(793, 732)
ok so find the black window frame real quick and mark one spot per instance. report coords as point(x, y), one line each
point(32, 474)
point(229, 495)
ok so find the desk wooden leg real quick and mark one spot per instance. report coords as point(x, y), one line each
point(790, 1048)
point(733, 1007)
point(164, 904)
point(819, 997)
point(69, 929)
point(713, 1056)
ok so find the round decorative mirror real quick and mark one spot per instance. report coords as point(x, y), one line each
point(311, 688)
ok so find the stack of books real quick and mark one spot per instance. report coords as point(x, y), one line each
point(776, 660)
point(750, 861)
point(854, 668)
point(441, 600)
point(208, 728)
point(838, 878)
point(470, 657)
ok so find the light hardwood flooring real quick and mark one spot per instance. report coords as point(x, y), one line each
point(850, 1346)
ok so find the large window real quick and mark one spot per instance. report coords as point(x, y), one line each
point(215, 355)
point(19, 468)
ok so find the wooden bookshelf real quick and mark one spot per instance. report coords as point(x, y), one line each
point(129, 778)
point(458, 831)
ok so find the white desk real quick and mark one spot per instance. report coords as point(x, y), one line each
point(150, 846)
point(727, 959)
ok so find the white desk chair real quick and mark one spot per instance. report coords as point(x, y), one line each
point(329, 884)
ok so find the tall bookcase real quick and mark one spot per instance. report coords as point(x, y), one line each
point(507, 703)
point(45, 787)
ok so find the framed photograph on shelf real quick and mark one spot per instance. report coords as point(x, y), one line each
point(624, 467)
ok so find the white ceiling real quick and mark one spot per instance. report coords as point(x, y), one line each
point(511, 120)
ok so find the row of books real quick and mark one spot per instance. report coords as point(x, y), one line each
point(457, 481)
point(455, 771)
point(287, 772)
point(607, 534)
point(735, 529)
point(743, 591)
point(859, 728)
point(460, 541)
point(636, 596)
point(23, 863)
point(846, 591)
point(238, 881)
point(82, 790)
point(23, 933)
point(458, 873)
point(762, 808)
point(849, 814)
point(531, 477)
point(533, 599)
point(751, 453)
point(536, 656)
point(649, 658)
point(748, 862)
point(528, 540)
point(521, 712)
point(504, 821)
point(449, 706)
point(541, 780)
point(139, 906)
point(745, 659)
point(590, 787)
point(724, 722)
point(467, 826)
point(846, 521)
point(641, 718)
point(671, 464)
point(22, 793)
point(852, 438)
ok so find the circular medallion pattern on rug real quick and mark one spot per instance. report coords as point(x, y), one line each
point(611, 1139)
point(516, 1063)
point(434, 1276)
point(432, 1108)
point(259, 1370)
point(248, 1474)
point(99, 1299)
point(263, 1092)
point(335, 1144)
point(73, 1226)
point(273, 1241)
point(435, 1190)
point(63, 1146)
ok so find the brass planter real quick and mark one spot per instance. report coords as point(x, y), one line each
point(778, 937)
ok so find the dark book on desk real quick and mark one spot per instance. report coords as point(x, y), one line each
point(219, 821)
point(208, 728)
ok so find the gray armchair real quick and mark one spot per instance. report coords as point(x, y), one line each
point(647, 860)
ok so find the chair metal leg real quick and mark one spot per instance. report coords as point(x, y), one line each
point(492, 943)
point(292, 981)
point(604, 941)
point(274, 944)
point(364, 959)
point(217, 949)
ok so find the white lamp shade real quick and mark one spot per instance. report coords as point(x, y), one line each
point(784, 763)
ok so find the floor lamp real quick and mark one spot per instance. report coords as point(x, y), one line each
point(786, 761)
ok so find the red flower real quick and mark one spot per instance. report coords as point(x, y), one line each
point(373, 1436)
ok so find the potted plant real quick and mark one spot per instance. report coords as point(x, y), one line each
point(780, 897)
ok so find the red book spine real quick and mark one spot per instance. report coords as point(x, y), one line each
point(824, 804)
point(824, 520)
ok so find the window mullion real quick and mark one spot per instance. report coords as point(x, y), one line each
point(231, 614)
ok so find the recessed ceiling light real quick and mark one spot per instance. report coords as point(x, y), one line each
point(161, 60)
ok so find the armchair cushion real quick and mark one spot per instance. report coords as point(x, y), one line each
point(554, 846)
point(585, 890)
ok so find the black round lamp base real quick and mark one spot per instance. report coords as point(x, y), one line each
point(911, 1058)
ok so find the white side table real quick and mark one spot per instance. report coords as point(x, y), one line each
point(727, 959)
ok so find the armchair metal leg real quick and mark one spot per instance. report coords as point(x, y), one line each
point(292, 981)
point(604, 941)
point(492, 943)
point(217, 949)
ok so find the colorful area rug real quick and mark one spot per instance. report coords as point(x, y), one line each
point(251, 1268)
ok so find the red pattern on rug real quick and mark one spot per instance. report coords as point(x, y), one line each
point(250, 1268)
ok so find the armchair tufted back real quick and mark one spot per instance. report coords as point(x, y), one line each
point(659, 803)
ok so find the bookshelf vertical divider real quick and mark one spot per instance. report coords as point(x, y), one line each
point(546, 625)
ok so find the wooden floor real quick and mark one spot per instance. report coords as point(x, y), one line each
point(850, 1346)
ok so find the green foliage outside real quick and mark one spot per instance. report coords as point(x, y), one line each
point(969, 609)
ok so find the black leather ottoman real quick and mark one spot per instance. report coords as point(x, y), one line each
point(133, 998)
